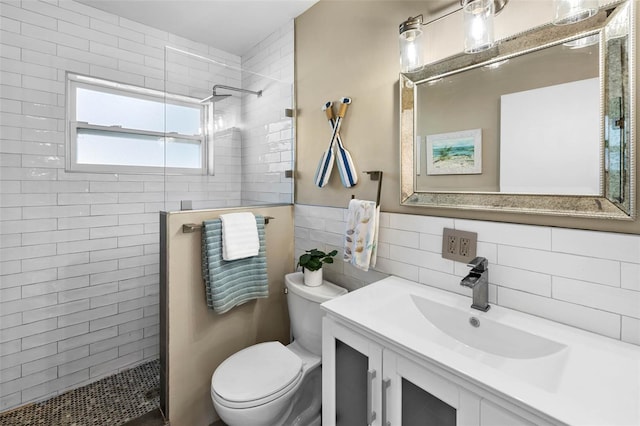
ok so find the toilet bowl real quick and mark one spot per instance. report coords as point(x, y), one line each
point(269, 384)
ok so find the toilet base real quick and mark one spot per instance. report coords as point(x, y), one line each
point(308, 405)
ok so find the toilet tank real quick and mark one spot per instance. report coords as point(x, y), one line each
point(304, 310)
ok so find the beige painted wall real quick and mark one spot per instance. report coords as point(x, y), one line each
point(350, 48)
point(199, 339)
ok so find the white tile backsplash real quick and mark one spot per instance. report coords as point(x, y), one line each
point(631, 330)
point(426, 224)
point(507, 234)
point(569, 276)
point(619, 247)
point(602, 271)
point(616, 300)
point(397, 237)
point(520, 279)
point(630, 276)
point(595, 320)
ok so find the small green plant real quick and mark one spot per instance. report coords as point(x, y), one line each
point(314, 258)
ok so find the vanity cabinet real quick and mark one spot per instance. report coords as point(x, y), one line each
point(370, 382)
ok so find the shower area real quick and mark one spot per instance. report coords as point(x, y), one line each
point(247, 128)
point(79, 237)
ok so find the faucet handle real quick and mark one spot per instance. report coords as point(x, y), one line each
point(479, 263)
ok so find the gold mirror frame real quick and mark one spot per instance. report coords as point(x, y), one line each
point(520, 44)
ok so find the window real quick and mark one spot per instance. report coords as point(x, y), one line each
point(120, 128)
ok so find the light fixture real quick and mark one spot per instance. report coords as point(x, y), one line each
point(411, 45)
point(572, 11)
point(478, 26)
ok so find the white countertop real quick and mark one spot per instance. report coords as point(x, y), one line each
point(594, 381)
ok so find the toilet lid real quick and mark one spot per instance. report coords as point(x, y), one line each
point(256, 372)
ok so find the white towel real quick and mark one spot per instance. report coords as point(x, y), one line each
point(361, 235)
point(239, 236)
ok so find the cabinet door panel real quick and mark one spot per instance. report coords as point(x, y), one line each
point(351, 377)
point(420, 408)
point(351, 385)
point(418, 396)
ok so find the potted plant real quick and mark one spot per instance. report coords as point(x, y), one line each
point(311, 262)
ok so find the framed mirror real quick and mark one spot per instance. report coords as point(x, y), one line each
point(542, 123)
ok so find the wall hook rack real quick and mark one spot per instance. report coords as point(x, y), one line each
point(374, 175)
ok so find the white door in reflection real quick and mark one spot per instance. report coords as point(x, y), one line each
point(550, 140)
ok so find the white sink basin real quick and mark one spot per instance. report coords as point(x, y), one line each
point(484, 334)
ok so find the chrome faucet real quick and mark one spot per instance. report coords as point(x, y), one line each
point(478, 281)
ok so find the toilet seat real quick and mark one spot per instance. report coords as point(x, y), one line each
point(256, 375)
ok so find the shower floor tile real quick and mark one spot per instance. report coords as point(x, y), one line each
point(129, 396)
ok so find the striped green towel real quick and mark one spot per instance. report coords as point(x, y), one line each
point(231, 283)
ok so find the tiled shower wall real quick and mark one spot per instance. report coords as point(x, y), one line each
point(78, 251)
point(267, 149)
point(586, 279)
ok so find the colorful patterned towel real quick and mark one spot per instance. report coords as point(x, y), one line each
point(361, 235)
point(231, 283)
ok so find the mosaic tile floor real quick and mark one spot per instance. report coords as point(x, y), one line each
point(112, 401)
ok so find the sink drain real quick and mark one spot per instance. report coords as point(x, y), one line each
point(474, 322)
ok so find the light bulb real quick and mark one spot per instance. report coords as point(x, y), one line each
point(411, 45)
point(478, 24)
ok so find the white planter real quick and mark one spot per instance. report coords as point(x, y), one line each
point(313, 278)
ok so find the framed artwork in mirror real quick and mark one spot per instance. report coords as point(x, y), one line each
point(455, 153)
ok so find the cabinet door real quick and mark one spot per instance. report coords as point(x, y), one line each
point(351, 377)
point(416, 396)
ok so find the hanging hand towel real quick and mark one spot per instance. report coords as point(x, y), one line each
point(239, 236)
point(361, 239)
point(228, 284)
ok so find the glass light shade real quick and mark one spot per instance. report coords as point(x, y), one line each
point(478, 25)
point(572, 11)
point(412, 50)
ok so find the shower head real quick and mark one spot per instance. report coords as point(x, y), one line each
point(214, 98)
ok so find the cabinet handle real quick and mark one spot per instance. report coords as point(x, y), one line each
point(385, 385)
point(371, 415)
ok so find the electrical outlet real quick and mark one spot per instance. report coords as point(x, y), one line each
point(464, 246)
point(459, 245)
point(452, 244)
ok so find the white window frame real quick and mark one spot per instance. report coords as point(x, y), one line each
point(75, 81)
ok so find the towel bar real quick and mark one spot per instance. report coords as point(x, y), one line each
point(374, 175)
point(193, 227)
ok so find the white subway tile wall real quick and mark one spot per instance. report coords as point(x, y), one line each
point(267, 151)
point(586, 279)
point(79, 270)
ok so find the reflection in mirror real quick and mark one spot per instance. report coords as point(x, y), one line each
point(536, 131)
point(542, 125)
point(617, 104)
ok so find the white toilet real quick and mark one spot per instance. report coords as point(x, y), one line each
point(270, 384)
